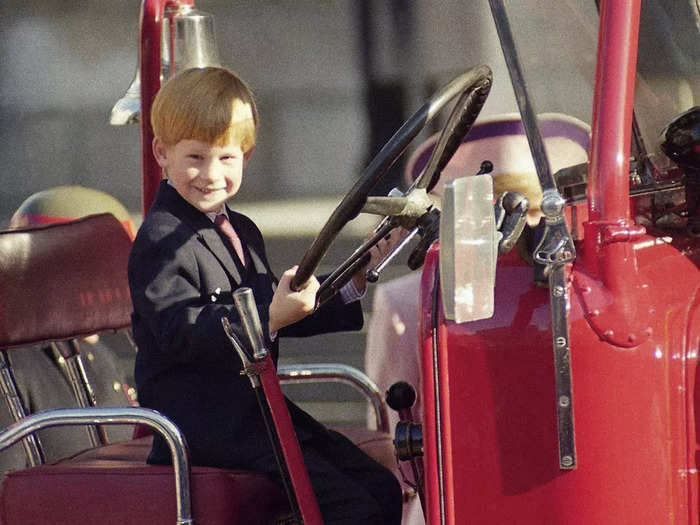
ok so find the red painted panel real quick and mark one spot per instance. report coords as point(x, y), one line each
point(635, 423)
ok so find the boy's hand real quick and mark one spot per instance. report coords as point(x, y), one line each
point(377, 254)
point(288, 307)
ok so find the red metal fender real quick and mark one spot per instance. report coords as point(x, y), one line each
point(635, 407)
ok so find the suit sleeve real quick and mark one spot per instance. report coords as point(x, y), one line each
point(182, 324)
point(333, 316)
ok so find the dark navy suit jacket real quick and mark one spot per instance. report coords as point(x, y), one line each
point(182, 272)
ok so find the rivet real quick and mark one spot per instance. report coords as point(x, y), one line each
point(567, 461)
point(558, 291)
point(564, 401)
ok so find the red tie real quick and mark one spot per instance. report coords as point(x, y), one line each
point(225, 226)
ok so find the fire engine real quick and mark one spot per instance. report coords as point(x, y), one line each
point(558, 356)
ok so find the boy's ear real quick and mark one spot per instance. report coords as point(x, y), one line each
point(160, 152)
point(247, 155)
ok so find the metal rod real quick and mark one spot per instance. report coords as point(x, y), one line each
point(608, 178)
point(74, 370)
point(342, 274)
point(31, 444)
point(339, 373)
point(150, 37)
point(527, 113)
point(556, 247)
point(373, 273)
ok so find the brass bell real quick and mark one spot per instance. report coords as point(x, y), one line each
point(187, 41)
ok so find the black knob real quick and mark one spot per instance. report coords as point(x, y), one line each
point(372, 275)
point(400, 396)
point(486, 167)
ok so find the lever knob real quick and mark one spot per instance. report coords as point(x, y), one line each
point(400, 396)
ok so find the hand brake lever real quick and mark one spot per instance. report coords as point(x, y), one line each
point(274, 411)
point(248, 311)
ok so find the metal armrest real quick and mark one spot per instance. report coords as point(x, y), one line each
point(115, 416)
point(339, 373)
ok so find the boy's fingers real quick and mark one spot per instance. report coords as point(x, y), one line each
point(291, 272)
point(303, 286)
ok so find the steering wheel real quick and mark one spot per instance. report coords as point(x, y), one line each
point(409, 209)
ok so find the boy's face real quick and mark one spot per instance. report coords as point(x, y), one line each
point(203, 174)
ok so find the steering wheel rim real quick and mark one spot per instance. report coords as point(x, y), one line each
point(478, 78)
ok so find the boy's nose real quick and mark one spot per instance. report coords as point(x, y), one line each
point(210, 173)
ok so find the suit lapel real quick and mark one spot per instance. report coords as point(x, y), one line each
point(202, 227)
point(248, 241)
point(211, 239)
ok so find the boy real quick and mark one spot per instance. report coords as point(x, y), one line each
point(182, 271)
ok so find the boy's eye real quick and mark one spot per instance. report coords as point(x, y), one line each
point(194, 156)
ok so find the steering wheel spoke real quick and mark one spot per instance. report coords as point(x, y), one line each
point(385, 205)
point(359, 258)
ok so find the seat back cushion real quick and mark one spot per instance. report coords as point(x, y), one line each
point(63, 281)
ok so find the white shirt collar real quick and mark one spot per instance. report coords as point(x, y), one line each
point(212, 214)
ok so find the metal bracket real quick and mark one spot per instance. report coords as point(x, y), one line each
point(511, 215)
point(555, 250)
point(562, 367)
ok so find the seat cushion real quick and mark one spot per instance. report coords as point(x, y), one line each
point(114, 485)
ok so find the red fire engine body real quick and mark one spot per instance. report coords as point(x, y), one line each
point(574, 402)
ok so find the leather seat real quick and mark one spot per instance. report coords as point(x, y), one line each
point(114, 485)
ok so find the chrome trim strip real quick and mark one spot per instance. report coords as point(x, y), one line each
point(434, 319)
